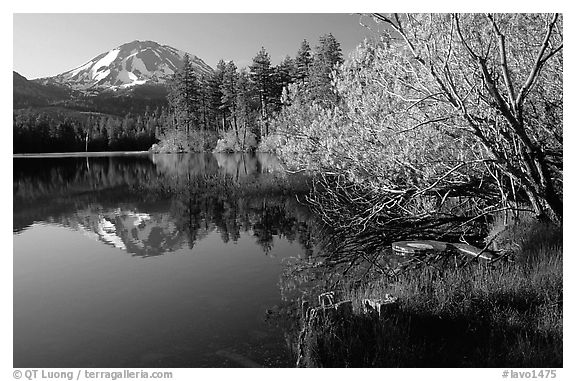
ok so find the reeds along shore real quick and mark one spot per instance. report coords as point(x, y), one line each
point(475, 316)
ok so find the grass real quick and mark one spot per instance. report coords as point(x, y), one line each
point(509, 315)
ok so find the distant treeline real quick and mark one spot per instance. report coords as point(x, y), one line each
point(62, 130)
point(230, 110)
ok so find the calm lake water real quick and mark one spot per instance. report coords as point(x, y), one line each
point(153, 261)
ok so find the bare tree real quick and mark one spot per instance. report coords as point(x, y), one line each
point(497, 78)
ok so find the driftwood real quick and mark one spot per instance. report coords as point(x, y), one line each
point(428, 246)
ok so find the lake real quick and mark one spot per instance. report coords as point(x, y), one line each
point(146, 260)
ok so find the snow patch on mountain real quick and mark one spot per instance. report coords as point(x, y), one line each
point(79, 69)
point(131, 84)
point(106, 61)
point(101, 75)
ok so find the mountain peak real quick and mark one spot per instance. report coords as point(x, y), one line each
point(146, 43)
point(130, 64)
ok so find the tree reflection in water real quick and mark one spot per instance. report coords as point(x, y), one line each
point(154, 204)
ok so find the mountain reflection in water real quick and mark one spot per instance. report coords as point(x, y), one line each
point(201, 238)
point(152, 205)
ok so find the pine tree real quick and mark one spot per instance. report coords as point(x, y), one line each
point(112, 132)
point(229, 89)
point(303, 62)
point(327, 57)
point(215, 97)
point(183, 97)
point(243, 104)
point(283, 75)
point(260, 73)
point(204, 101)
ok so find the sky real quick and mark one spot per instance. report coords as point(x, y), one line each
point(49, 44)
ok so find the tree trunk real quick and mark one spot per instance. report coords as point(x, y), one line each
point(235, 125)
point(204, 113)
point(244, 138)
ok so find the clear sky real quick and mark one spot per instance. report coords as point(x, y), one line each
point(49, 44)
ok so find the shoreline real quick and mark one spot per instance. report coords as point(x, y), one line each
point(112, 153)
point(78, 154)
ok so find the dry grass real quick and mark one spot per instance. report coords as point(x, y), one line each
point(477, 316)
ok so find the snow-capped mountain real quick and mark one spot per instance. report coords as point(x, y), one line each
point(130, 64)
point(140, 234)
